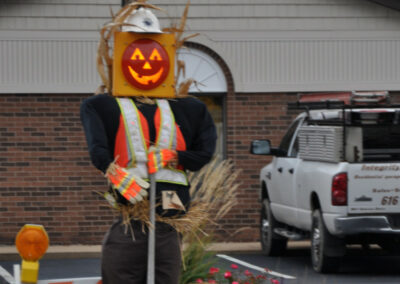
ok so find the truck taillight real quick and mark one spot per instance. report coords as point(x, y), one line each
point(339, 189)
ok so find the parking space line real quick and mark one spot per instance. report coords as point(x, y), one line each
point(82, 280)
point(6, 276)
point(254, 267)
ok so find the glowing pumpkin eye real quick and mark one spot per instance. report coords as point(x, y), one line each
point(137, 55)
point(155, 55)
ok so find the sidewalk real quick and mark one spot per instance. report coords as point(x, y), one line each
point(8, 253)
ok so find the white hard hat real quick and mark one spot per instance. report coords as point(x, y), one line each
point(142, 21)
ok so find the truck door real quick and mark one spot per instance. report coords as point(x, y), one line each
point(284, 173)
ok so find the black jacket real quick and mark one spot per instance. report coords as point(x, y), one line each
point(100, 117)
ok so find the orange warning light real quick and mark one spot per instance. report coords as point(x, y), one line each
point(32, 242)
point(144, 65)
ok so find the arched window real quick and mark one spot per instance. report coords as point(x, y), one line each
point(201, 64)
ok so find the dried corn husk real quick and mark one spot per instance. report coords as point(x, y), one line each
point(104, 50)
point(104, 59)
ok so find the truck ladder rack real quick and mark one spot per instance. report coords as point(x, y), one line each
point(342, 100)
point(335, 105)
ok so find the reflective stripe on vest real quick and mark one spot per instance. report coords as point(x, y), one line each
point(166, 139)
point(137, 149)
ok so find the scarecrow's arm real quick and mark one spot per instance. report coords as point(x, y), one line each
point(92, 119)
point(202, 149)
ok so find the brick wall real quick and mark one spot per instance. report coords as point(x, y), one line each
point(45, 173)
point(46, 176)
point(250, 117)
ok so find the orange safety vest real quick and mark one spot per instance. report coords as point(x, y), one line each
point(133, 140)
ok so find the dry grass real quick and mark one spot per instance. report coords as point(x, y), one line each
point(213, 191)
point(104, 51)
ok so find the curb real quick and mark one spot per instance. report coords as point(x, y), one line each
point(8, 253)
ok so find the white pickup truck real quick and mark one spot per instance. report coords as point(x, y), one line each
point(335, 178)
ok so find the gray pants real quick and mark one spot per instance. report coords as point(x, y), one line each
point(124, 261)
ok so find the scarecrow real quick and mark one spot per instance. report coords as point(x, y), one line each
point(144, 130)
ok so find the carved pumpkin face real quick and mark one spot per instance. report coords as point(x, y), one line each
point(145, 64)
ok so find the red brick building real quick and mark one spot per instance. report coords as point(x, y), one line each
point(262, 54)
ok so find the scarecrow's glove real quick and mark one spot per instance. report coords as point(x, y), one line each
point(131, 187)
point(160, 158)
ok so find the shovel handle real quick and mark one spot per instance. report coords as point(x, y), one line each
point(152, 228)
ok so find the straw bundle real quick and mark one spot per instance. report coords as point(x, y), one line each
point(213, 191)
point(104, 50)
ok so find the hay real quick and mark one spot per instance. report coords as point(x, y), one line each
point(104, 49)
point(213, 191)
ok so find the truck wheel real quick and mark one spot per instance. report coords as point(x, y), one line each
point(321, 241)
point(272, 244)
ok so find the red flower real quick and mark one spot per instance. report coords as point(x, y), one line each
point(234, 266)
point(199, 281)
point(228, 274)
point(248, 273)
point(235, 282)
point(275, 281)
point(213, 270)
point(212, 281)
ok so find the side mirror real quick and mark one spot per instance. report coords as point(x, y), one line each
point(260, 147)
point(263, 147)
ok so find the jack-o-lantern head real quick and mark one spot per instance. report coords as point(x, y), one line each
point(145, 64)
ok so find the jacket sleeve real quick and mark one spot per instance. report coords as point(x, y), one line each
point(100, 150)
point(204, 141)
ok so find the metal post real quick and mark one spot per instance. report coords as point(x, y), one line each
point(151, 240)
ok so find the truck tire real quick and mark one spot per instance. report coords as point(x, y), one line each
point(272, 244)
point(321, 242)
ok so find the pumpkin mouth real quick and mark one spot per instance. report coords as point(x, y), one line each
point(145, 80)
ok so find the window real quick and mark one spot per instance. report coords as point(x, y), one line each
point(215, 105)
point(211, 87)
point(285, 143)
point(381, 142)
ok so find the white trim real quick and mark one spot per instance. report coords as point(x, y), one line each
point(50, 35)
point(65, 88)
point(319, 87)
point(203, 69)
point(236, 36)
